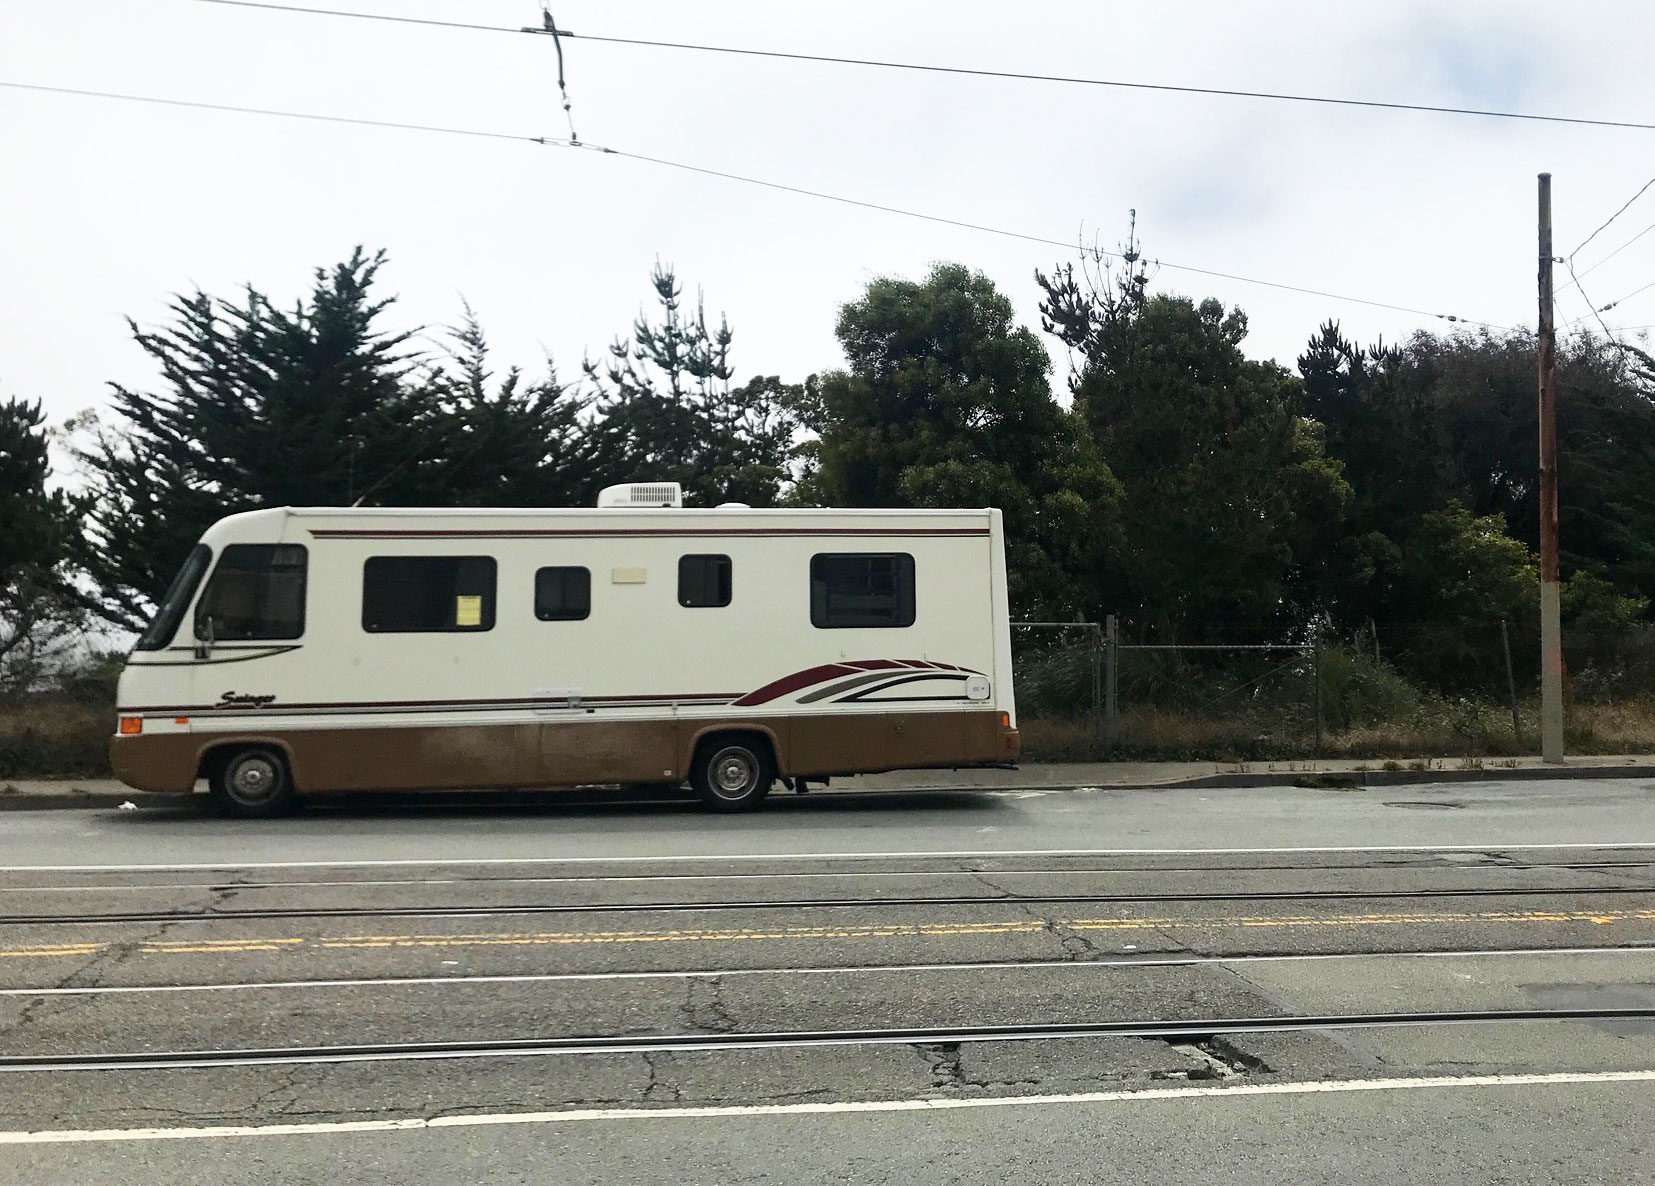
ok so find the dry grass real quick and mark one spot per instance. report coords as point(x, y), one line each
point(1625, 728)
point(55, 739)
point(1466, 731)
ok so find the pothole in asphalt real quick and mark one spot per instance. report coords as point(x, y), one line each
point(1426, 804)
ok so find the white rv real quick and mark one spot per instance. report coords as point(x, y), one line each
point(327, 649)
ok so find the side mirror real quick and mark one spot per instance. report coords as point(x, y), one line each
point(204, 645)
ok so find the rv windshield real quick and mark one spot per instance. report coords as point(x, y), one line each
point(165, 623)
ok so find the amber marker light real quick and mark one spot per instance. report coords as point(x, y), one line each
point(130, 726)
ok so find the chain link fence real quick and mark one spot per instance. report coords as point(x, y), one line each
point(1381, 690)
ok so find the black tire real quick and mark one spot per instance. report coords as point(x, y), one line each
point(252, 782)
point(733, 773)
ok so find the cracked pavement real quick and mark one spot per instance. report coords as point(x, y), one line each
point(781, 942)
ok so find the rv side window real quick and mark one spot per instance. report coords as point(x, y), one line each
point(703, 581)
point(171, 610)
point(562, 594)
point(257, 591)
point(861, 589)
point(427, 594)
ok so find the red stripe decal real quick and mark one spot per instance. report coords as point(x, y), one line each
point(792, 683)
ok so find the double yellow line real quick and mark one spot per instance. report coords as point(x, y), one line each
point(876, 931)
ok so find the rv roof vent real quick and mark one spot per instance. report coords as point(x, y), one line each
point(642, 494)
point(733, 506)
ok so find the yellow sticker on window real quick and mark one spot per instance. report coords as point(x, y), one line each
point(468, 610)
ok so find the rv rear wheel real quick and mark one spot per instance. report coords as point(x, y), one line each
point(733, 773)
point(253, 782)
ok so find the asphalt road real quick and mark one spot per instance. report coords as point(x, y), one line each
point(846, 988)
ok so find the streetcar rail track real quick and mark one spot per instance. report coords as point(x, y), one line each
point(1484, 866)
point(1147, 961)
point(208, 914)
point(1193, 1029)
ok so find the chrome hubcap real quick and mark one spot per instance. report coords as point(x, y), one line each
point(733, 772)
point(254, 779)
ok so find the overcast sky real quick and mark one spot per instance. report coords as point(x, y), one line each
point(109, 207)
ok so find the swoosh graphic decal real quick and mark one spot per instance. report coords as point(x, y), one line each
point(843, 685)
point(871, 694)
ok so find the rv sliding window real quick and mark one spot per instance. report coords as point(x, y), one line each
point(861, 589)
point(703, 581)
point(562, 594)
point(427, 594)
point(257, 591)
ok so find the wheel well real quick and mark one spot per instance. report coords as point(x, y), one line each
point(214, 757)
point(758, 738)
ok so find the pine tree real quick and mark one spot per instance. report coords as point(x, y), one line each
point(666, 398)
point(40, 609)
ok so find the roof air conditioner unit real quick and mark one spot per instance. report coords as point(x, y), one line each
point(642, 494)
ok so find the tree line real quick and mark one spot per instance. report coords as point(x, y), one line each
point(1165, 477)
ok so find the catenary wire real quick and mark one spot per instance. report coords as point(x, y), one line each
point(918, 67)
point(1612, 217)
point(1612, 254)
point(1598, 311)
point(664, 162)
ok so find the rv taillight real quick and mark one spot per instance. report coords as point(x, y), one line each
point(1005, 720)
point(131, 726)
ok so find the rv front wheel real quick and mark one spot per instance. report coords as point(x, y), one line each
point(252, 782)
point(733, 774)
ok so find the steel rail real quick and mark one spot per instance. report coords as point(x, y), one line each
point(527, 909)
point(1486, 866)
point(1194, 1029)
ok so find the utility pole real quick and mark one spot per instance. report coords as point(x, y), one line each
point(1551, 641)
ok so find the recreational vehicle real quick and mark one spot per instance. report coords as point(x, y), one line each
point(346, 649)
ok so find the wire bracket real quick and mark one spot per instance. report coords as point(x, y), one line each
point(549, 25)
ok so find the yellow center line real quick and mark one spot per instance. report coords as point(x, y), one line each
point(870, 931)
point(59, 949)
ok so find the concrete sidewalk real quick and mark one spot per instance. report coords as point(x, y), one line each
point(31, 794)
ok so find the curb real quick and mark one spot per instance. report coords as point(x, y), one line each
point(88, 800)
point(1353, 779)
point(1310, 779)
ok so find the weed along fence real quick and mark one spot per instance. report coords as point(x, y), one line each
point(1400, 690)
point(1081, 687)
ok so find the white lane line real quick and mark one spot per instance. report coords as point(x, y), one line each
point(1192, 961)
point(715, 858)
point(586, 1115)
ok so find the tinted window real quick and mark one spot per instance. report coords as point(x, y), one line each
point(426, 594)
point(862, 589)
point(171, 610)
point(562, 594)
point(703, 580)
point(257, 591)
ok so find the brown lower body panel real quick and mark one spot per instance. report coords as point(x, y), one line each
point(567, 753)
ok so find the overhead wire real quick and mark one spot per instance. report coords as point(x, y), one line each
point(230, 107)
point(1613, 254)
point(1613, 216)
point(822, 195)
point(920, 67)
point(1598, 311)
point(1568, 262)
